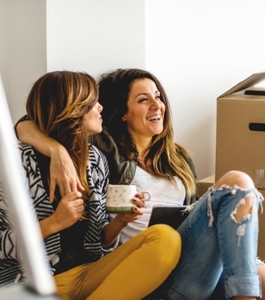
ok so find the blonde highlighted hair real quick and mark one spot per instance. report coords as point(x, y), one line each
point(57, 103)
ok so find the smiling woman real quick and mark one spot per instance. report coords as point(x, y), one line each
point(139, 119)
point(145, 113)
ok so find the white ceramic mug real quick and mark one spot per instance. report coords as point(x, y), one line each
point(119, 198)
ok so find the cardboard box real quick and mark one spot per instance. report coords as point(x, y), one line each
point(240, 138)
point(203, 185)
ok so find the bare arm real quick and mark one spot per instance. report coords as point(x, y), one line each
point(62, 170)
point(29, 133)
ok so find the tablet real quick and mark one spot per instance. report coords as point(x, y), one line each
point(170, 215)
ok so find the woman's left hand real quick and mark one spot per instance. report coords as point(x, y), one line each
point(136, 210)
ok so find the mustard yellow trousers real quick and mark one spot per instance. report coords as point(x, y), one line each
point(130, 272)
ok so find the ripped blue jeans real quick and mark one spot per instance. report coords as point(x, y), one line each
point(214, 240)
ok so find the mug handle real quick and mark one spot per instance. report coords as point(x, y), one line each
point(147, 196)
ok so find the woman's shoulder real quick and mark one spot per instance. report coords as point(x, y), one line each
point(104, 141)
point(187, 157)
point(24, 147)
point(96, 152)
point(27, 152)
point(29, 160)
point(97, 157)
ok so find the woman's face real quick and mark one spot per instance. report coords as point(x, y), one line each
point(93, 120)
point(146, 111)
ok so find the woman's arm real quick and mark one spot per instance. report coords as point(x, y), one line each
point(68, 212)
point(29, 133)
point(62, 170)
point(112, 230)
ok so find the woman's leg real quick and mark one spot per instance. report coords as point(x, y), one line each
point(220, 233)
point(131, 271)
point(235, 283)
point(219, 292)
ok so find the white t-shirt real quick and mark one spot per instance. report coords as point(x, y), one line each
point(163, 193)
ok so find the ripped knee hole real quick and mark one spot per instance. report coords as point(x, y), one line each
point(243, 209)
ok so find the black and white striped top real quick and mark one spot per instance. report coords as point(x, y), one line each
point(97, 175)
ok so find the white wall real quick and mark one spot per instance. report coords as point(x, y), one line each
point(95, 36)
point(23, 49)
point(198, 49)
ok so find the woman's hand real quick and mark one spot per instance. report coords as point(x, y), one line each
point(136, 210)
point(68, 212)
point(63, 173)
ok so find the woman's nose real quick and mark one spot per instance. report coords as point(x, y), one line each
point(155, 104)
point(100, 108)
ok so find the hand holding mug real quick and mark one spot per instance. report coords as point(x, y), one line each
point(120, 198)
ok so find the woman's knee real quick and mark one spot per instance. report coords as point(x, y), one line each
point(236, 178)
point(244, 182)
point(169, 240)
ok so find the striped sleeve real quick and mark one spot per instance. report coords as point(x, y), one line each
point(98, 179)
point(41, 202)
point(9, 267)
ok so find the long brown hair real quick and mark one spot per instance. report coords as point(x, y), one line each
point(57, 103)
point(168, 158)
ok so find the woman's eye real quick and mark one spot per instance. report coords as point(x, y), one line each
point(142, 100)
point(159, 98)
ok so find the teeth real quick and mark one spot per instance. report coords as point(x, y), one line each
point(153, 118)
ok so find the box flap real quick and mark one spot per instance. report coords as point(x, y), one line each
point(250, 81)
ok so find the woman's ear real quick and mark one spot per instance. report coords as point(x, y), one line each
point(123, 118)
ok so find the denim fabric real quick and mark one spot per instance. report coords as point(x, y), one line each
point(214, 242)
point(219, 292)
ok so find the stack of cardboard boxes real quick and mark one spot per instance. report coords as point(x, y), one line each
point(240, 138)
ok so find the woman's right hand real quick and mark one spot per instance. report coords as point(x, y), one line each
point(69, 210)
point(63, 173)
